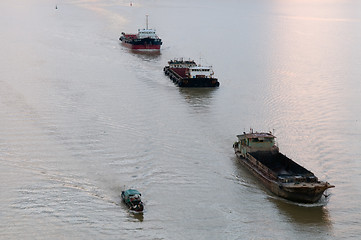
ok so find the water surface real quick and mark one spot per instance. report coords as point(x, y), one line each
point(81, 117)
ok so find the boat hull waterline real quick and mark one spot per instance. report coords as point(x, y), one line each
point(301, 193)
point(147, 46)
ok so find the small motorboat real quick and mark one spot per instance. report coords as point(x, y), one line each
point(131, 198)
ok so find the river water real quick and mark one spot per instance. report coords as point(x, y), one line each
point(82, 117)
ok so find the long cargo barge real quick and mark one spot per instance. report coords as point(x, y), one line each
point(186, 73)
point(281, 175)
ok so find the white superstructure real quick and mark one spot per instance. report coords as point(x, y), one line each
point(201, 71)
point(147, 33)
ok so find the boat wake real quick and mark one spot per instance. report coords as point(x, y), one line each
point(321, 203)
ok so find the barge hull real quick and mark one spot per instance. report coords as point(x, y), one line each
point(130, 41)
point(310, 193)
point(141, 46)
point(190, 82)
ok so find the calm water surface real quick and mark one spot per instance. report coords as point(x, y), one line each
point(81, 117)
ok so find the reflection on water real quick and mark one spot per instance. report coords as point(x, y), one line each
point(137, 216)
point(145, 55)
point(303, 214)
point(198, 98)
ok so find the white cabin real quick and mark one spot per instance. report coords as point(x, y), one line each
point(200, 72)
point(147, 33)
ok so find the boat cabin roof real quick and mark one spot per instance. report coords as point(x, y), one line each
point(149, 31)
point(131, 192)
point(200, 68)
point(258, 135)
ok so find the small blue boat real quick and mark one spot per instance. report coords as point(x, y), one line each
point(131, 198)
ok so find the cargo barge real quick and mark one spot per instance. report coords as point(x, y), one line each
point(186, 73)
point(285, 178)
point(146, 39)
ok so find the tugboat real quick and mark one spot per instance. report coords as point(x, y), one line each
point(131, 198)
point(285, 178)
point(146, 39)
point(189, 74)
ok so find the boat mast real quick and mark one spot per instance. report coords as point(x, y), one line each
point(146, 21)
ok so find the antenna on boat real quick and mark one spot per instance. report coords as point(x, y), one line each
point(146, 21)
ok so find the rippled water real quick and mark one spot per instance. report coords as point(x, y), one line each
point(81, 118)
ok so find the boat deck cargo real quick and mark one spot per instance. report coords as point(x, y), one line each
point(280, 174)
point(189, 74)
